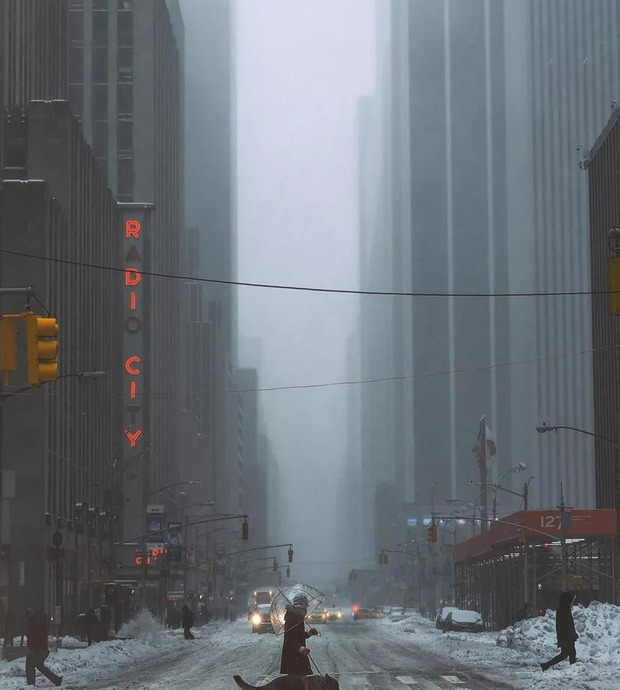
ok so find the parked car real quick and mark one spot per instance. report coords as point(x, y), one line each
point(397, 613)
point(442, 613)
point(261, 620)
point(463, 621)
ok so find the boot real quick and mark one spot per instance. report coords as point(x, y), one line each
point(544, 666)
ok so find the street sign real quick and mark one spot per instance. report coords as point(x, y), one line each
point(155, 509)
point(175, 525)
point(118, 565)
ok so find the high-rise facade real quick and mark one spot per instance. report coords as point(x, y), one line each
point(126, 86)
point(490, 107)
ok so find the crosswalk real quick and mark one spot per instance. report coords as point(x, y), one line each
point(385, 680)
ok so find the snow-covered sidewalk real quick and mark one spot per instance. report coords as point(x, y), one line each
point(150, 643)
point(516, 652)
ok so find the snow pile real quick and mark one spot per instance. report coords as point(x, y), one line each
point(597, 625)
point(143, 627)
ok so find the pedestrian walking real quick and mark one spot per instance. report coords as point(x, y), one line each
point(187, 622)
point(9, 629)
point(38, 651)
point(295, 654)
point(565, 629)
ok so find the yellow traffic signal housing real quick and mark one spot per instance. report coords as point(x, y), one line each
point(274, 565)
point(245, 530)
point(8, 346)
point(431, 532)
point(383, 558)
point(41, 348)
point(290, 555)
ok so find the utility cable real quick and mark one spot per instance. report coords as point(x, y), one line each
point(304, 288)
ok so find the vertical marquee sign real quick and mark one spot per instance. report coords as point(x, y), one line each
point(134, 226)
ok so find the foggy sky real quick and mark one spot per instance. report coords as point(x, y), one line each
point(302, 65)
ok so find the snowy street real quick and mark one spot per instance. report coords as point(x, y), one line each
point(363, 655)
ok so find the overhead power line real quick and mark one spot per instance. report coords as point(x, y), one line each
point(305, 288)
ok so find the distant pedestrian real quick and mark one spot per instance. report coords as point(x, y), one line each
point(94, 629)
point(38, 651)
point(565, 628)
point(187, 621)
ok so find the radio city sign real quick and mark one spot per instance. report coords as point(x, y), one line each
point(134, 226)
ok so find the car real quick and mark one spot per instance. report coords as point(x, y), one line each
point(334, 614)
point(397, 613)
point(360, 613)
point(317, 616)
point(442, 613)
point(260, 620)
point(463, 621)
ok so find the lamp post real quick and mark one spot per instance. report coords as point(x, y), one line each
point(497, 486)
point(613, 441)
point(471, 503)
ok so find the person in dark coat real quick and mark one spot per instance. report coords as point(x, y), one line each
point(38, 651)
point(565, 628)
point(295, 654)
point(187, 621)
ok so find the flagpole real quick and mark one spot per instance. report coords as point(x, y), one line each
point(483, 475)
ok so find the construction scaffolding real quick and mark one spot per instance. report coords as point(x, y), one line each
point(529, 558)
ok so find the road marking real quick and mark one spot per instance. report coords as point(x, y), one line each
point(376, 669)
point(407, 680)
point(452, 679)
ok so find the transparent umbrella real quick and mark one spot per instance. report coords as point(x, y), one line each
point(290, 596)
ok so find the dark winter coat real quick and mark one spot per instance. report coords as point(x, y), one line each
point(187, 619)
point(295, 636)
point(36, 633)
point(564, 624)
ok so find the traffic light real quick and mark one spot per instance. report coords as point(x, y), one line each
point(290, 555)
point(275, 566)
point(41, 348)
point(245, 530)
point(383, 558)
point(288, 572)
point(8, 346)
point(431, 532)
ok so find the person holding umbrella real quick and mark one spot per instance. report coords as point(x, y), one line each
point(295, 653)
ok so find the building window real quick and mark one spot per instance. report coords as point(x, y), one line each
point(125, 65)
point(100, 4)
point(100, 65)
point(125, 177)
point(125, 4)
point(100, 28)
point(100, 102)
point(100, 139)
point(76, 65)
point(125, 29)
point(76, 28)
point(125, 100)
point(125, 135)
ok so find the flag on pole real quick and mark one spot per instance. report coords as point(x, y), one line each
point(485, 437)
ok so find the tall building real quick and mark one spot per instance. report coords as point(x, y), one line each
point(604, 177)
point(126, 85)
point(59, 442)
point(561, 79)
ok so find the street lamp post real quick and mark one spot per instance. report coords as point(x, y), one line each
point(544, 428)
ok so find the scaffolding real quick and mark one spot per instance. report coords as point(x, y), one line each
point(515, 563)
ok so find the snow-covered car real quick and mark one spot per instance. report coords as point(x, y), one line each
point(442, 613)
point(463, 621)
point(397, 613)
point(360, 613)
point(260, 620)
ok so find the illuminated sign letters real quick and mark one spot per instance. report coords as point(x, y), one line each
point(134, 226)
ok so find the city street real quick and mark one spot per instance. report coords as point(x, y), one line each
point(363, 655)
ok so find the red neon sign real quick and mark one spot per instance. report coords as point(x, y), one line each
point(133, 436)
point(132, 276)
point(132, 228)
point(130, 368)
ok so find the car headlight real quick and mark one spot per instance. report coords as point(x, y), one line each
point(339, 614)
point(256, 619)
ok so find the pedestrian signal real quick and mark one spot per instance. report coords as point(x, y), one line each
point(41, 349)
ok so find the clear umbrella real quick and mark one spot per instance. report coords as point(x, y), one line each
point(293, 596)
